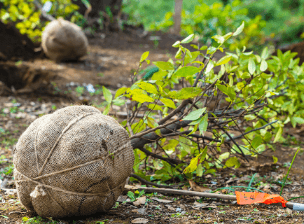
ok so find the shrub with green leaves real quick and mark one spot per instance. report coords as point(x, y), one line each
point(26, 16)
point(181, 135)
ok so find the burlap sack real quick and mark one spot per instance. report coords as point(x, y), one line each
point(63, 40)
point(72, 162)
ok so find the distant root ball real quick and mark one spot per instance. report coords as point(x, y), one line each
point(63, 40)
point(73, 162)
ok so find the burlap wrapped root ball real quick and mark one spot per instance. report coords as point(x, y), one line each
point(72, 162)
point(63, 40)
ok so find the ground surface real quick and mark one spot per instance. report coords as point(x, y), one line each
point(41, 86)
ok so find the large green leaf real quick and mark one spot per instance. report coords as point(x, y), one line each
point(239, 29)
point(187, 71)
point(164, 65)
point(188, 39)
point(223, 60)
point(233, 161)
point(263, 66)
point(168, 103)
point(194, 115)
point(140, 96)
point(148, 87)
point(120, 91)
point(185, 93)
point(251, 66)
point(144, 56)
point(203, 124)
point(107, 94)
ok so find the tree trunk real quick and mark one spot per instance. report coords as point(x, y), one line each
point(177, 16)
point(102, 8)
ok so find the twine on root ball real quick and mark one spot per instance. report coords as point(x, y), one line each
point(63, 40)
point(72, 162)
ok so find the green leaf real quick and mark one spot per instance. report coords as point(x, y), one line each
point(194, 46)
point(278, 135)
point(233, 161)
point(266, 76)
point(240, 85)
point(275, 159)
point(263, 66)
point(228, 35)
point(188, 39)
point(203, 124)
point(251, 66)
point(118, 102)
point(107, 94)
point(223, 88)
point(199, 170)
point(194, 115)
point(176, 44)
point(185, 93)
point(151, 123)
point(148, 87)
point(210, 66)
point(154, 107)
point(193, 165)
point(168, 102)
point(296, 120)
point(178, 54)
point(164, 65)
point(139, 96)
point(211, 50)
point(203, 48)
point(107, 109)
point(265, 53)
point(239, 29)
point(144, 56)
point(120, 91)
point(159, 75)
point(225, 155)
point(256, 141)
point(187, 71)
point(219, 39)
point(223, 60)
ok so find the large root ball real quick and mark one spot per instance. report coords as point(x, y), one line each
point(72, 162)
point(63, 40)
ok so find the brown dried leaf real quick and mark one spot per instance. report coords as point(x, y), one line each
point(196, 187)
point(140, 201)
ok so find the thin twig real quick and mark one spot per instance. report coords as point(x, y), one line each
point(43, 13)
point(150, 183)
point(240, 136)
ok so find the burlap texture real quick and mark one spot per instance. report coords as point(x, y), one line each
point(72, 162)
point(63, 40)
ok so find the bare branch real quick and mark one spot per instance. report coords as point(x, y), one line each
point(240, 136)
point(43, 13)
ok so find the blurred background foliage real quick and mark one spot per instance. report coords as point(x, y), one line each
point(26, 15)
point(266, 21)
point(281, 20)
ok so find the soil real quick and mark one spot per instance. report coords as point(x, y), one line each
point(299, 48)
point(39, 86)
point(14, 46)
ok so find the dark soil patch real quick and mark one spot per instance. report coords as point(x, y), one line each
point(14, 46)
